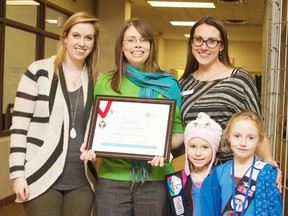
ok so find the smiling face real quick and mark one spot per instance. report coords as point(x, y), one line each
point(244, 138)
point(203, 54)
point(138, 51)
point(199, 153)
point(79, 42)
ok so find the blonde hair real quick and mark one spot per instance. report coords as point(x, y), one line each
point(91, 61)
point(252, 117)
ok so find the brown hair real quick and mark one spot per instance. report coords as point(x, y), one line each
point(121, 62)
point(191, 62)
point(91, 61)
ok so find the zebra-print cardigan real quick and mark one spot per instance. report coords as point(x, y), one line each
point(40, 126)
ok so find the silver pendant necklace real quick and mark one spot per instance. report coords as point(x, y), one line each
point(75, 82)
point(73, 133)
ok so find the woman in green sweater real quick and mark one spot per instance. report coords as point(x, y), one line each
point(120, 185)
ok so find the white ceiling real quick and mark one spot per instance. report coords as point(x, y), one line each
point(159, 18)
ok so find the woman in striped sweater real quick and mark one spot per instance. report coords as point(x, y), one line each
point(51, 120)
point(212, 85)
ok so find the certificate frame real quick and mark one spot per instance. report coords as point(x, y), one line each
point(132, 130)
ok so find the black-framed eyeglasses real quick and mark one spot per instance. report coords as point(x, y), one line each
point(210, 42)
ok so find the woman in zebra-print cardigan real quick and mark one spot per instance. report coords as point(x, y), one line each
point(50, 122)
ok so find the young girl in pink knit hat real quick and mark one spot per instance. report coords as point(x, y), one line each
point(202, 138)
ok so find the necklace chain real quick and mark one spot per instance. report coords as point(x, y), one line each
point(75, 82)
point(75, 108)
point(73, 133)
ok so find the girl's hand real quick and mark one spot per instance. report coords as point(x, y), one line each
point(87, 154)
point(20, 187)
point(159, 160)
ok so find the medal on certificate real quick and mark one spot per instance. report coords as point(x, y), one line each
point(102, 124)
point(103, 114)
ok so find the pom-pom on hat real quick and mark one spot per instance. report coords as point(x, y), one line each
point(207, 129)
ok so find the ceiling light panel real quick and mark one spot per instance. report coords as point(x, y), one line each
point(181, 4)
point(21, 3)
point(51, 21)
point(182, 23)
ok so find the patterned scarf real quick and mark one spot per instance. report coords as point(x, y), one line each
point(150, 85)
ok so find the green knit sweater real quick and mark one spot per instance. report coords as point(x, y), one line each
point(119, 169)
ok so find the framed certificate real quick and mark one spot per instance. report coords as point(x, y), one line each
point(131, 128)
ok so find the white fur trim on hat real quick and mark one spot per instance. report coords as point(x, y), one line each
point(207, 129)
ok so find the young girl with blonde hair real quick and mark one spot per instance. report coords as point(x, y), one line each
point(244, 185)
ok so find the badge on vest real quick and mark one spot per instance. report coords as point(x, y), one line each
point(174, 185)
point(178, 204)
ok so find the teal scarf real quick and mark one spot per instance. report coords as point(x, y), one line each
point(153, 83)
point(150, 85)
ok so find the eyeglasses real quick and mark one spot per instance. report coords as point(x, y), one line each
point(210, 42)
point(143, 41)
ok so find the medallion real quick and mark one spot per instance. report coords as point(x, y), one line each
point(102, 124)
point(73, 133)
point(103, 114)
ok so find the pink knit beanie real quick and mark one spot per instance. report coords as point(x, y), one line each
point(207, 129)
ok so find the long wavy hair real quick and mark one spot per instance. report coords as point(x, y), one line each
point(191, 62)
point(91, 61)
point(121, 61)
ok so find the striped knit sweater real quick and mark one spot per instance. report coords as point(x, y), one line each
point(40, 126)
point(220, 99)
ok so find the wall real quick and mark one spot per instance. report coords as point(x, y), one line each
point(247, 55)
point(111, 19)
point(78, 5)
point(175, 54)
point(5, 183)
point(160, 48)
